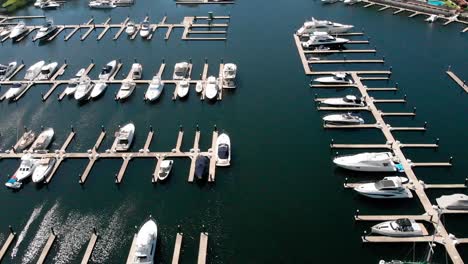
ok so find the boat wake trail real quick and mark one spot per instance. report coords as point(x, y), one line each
point(23, 233)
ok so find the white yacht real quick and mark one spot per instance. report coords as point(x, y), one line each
point(403, 227)
point(348, 100)
point(183, 88)
point(165, 169)
point(131, 28)
point(45, 31)
point(74, 82)
point(83, 89)
point(343, 119)
point(27, 166)
point(315, 25)
point(43, 141)
point(136, 71)
point(18, 31)
point(15, 90)
point(5, 31)
point(39, 2)
point(432, 18)
point(127, 88)
point(145, 29)
point(211, 89)
point(124, 137)
point(145, 244)
point(47, 71)
point(389, 188)
point(223, 150)
point(25, 141)
point(98, 89)
point(155, 89)
point(323, 39)
point(43, 169)
point(370, 161)
point(102, 4)
point(456, 201)
point(180, 70)
point(34, 70)
point(108, 70)
point(229, 75)
point(337, 78)
point(7, 70)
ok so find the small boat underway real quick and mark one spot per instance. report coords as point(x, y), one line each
point(370, 161)
point(18, 31)
point(27, 166)
point(136, 71)
point(45, 31)
point(98, 89)
point(315, 25)
point(145, 29)
point(211, 89)
point(127, 88)
point(7, 70)
point(34, 70)
point(124, 137)
point(343, 119)
point(180, 70)
point(155, 89)
point(456, 201)
point(403, 227)
point(183, 88)
point(388, 188)
point(83, 89)
point(165, 169)
point(102, 4)
point(322, 38)
point(223, 150)
point(145, 244)
point(348, 100)
point(108, 70)
point(47, 71)
point(131, 28)
point(201, 166)
point(337, 78)
point(15, 90)
point(26, 140)
point(43, 169)
point(43, 140)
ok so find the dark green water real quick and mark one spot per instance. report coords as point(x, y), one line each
point(281, 201)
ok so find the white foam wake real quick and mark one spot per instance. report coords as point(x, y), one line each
point(35, 213)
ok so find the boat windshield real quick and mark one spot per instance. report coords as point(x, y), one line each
point(45, 71)
point(107, 69)
point(17, 85)
point(123, 141)
point(223, 151)
point(385, 184)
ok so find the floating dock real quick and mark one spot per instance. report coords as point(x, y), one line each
point(177, 247)
point(203, 248)
point(90, 247)
point(6, 245)
point(455, 78)
point(47, 247)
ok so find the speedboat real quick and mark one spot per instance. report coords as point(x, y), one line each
point(315, 25)
point(102, 4)
point(199, 87)
point(348, 100)
point(183, 88)
point(145, 29)
point(18, 31)
point(131, 28)
point(33, 71)
point(98, 89)
point(223, 150)
point(180, 70)
point(15, 90)
point(74, 82)
point(43, 141)
point(155, 89)
point(136, 71)
point(336, 78)
point(370, 161)
point(165, 169)
point(49, 5)
point(432, 18)
point(83, 89)
point(145, 243)
point(211, 89)
point(45, 31)
point(456, 201)
point(343, 119)
point(127, 88)
point(322, 38)
point(26, 140)
point(108, 70)
point(7, 70)
point(229, 71)
point(47, 71)
point(388, 188)
point(43, 169)
point(27, 166)
point(403, 227)
point(124, 137)
point(201, 166)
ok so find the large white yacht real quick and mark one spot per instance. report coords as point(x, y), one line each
point(124, 137)
point(44, 139)
point(348, 100)
point(370, 161)
point(47, 71)
point(155, 89)
point(389, 188)
point(343, 119)
point(34, 70)
point(336, 78)
point(83, 89)
point(15, 90)
point(127, 88)
point(323, 39)
point(18, 31)
point(315, 25)
point(43, 169)
point(27, 166)
point(45, 31)
point(145, 244)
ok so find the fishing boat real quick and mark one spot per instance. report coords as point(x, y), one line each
point(456, 201)
point(43, 141)
point(27, 166)
point(127, 88)
point(46, 30)
point(343, 119)
point(315, 25)
point(26, 140)
point(145, 243)
point(131, 28)
point(370, 162)
point(34, 70)
point(43, 169)
point(15, 90)
point(180, 70)
point(183, 88)
point(201, 166)
point(136, 71)
point(223, 150)
point(102, 4)
point(155, 89)
point(124, 137)
point(83, 89)
point(165, 169)
point(18, 31)
point(98, 89)
point(145, 29)
point(7, 70)
point(108, 70)
point(389, 188)
point(336, 78)
point(323, 39)
point(199, 87)
point(403, 227)
point(348, 100)
point(47, 71)
point(211, 89)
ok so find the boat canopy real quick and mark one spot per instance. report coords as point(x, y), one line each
point(223, 151)
point(386, 184)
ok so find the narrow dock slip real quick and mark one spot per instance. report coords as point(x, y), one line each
point(90, 248)
point(47, 247)
point(132, 250)
point(121, 173)
point(203, 248)
point(212, 171)
point(195, 151)
point(455, 78)
point(11, 237)
point(177, 247)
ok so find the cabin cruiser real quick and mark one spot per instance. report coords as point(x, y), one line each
point(49, 5)
point(370, 161)
point(145, 29)
point(45, 31)
point(329, 27)
point(83, 89)
point(432, 18)
point(322, 38)
point(7, 70)
point(98, 89)
point(127, 88)
point(145, 244)
point(27, 166)
point(124, 137)
point(103, 4)
point(336, 78)
point(15, 90)
point(223, 150)
point(136, 71)
point(33, 71)
point(18, 31)
point(47, 71)
point(183, 88)
point(456, 201)
point(74, 82)
point(131, 28)
point(26, 140)
point(211, 89)
point(155, 89)
point(43, 141)
point(199, 87)
point(180, 70)
point(403, 227)
point(201, 166)
point(348, 100)
point(389, 188)
point(43, 169)
point(165, 169)
point(229, 74)
point(343, 119)
point(108, 70)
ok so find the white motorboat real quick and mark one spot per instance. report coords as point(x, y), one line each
point(370, 161)
point(74, 82)
point(165, 169)
point(33, 71)
point(350, 2)
point(348, 100)
point(43, 169)
point(145, 29)
point(47, 71)
point(124, 137)
point(403, 227)
point(315, 25)
point(45, 31)
point(183, 88)
point(27, 166)
point(145, 243)
point(98, 89)
point(199, 87)
point(180, 70)
point(337, 78)
point(83, 89)
point(155, 89)
point(223, 150)
point(229, 71)
point(131, 28)
point(389, 188)
point(136, 71)
point(108, 70)
point(343, 119)
point(432, 18)
point(127, 88)
point(49, 5)
point(102, 4)
point(323, 39)
point(43, 141)
point(18, 31)
point(15, 90)
point(39, 2)
point(211, 89)
point(25, 141)
point(7, 70)
point(456, 201)
point(5, 31)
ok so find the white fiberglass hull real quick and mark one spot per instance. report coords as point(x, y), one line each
point(51, 67)
point(98, 89)
point(340, 120)
point(154, 92)
point(363, 162)
point(128, 129)
point(340, 102)
point(12, 93)
point(331, 80)
point(42, 171)
point(223, 162)
point(34, 71)
point(385, 230)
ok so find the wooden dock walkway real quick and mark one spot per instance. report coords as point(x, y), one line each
point(47, 247)
point(455, 78)
point(90, 248)
point(177, 247)
point(203, 248)
point(132, 250)
point(11, 237)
